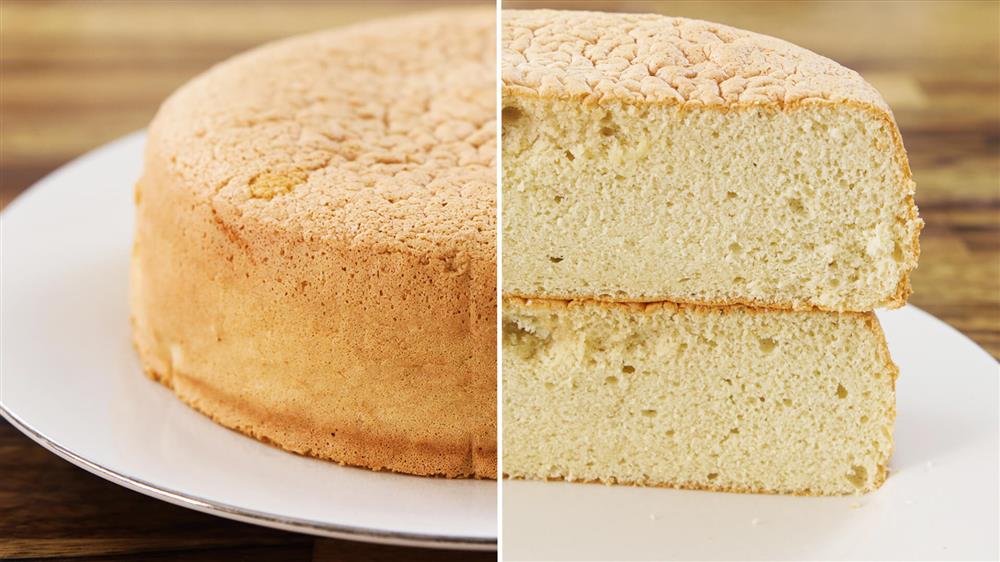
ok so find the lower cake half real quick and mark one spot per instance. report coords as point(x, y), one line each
point(718, 398)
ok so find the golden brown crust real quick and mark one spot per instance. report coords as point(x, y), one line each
point(353, 448)
point(650, 58)
point(748, 303)
point(314, 264)
point(652, 306)
point(329, 137)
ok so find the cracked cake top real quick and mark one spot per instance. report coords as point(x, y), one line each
point(381, 135)
point(647, 58)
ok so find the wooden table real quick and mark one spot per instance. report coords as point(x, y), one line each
point(78, 75)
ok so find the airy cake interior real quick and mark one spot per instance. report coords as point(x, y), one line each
point(731, 399)
point(796, 207)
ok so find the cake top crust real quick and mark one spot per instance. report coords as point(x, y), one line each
point(381, 135)
point(648, 58)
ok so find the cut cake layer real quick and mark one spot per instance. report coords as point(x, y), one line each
point(718, 398)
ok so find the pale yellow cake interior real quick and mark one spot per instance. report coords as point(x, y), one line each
point(732, 399)
point(794, 208)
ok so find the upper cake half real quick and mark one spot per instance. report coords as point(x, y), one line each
point(651, 158)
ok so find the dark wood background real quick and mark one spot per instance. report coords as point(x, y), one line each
point(76, 75)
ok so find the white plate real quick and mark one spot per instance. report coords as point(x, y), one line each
point(939, 503)
point(70, 380)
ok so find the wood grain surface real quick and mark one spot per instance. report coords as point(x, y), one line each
point(76, 75)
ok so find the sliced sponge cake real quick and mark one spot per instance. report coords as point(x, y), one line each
point(652, 158)
point(719, 398)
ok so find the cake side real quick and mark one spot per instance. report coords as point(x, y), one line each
point(315, 259)
point(378, 360)
point(792, 172)
point(717, 398)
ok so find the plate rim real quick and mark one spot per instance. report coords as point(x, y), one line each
point(194, 502)
point(245, 515)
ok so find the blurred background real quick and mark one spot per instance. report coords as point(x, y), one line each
point(937, 63)
point(73, 76)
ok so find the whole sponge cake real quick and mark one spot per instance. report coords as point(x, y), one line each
point(652, 158)
point(717, 398)
point(315, 254)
